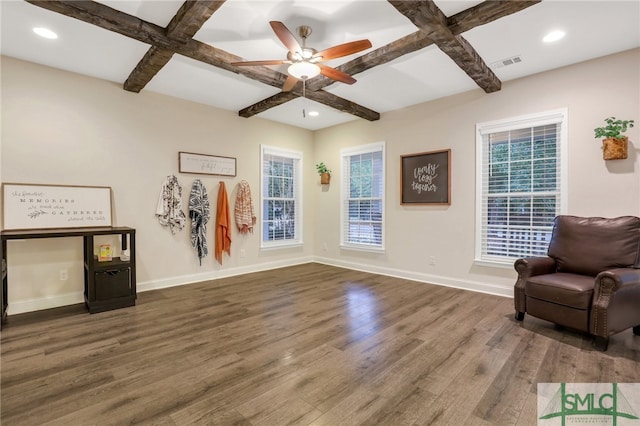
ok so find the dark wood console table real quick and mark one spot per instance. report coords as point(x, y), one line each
point(107, 285)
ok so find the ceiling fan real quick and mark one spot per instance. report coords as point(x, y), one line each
point(306, 61)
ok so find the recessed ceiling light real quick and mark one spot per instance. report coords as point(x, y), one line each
point(553, 36)
point(45, 32)
point(313, 113)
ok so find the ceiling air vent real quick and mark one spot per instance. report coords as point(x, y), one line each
point(506, 62)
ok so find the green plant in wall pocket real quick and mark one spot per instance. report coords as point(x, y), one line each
point(614, 143)
point(324, 172)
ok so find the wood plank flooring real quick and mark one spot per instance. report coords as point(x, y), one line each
point(304, 345)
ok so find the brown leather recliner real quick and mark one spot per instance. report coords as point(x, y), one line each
point(590, 279)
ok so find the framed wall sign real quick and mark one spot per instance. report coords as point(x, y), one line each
point(32, 206)
point(188, 162)
point(426, 178)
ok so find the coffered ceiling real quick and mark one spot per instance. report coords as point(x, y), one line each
point(422, 50)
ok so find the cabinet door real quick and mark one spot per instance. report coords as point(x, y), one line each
point(113, 283)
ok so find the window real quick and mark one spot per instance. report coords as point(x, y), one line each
point(362, 214)
point(520, 185)
point(281, 197)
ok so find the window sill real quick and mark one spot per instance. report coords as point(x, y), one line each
point(282, 246)
point(502, 264)
point(362, 248)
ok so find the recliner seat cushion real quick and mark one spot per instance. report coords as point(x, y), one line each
point(590, 245)
point(575, 291)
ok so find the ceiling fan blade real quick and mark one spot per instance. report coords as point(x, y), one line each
point(343, 50)
point(336, 74)
point(285, 36)
point(289, 83)
point(257, 63)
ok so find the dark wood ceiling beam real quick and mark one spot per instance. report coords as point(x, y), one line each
point(466, 20)
point(268, 103)
point(183, 26)
point(319, 96)
point(484, 13)
point(343, 105)
point(429, 18)
point(130, 26)
point(379, 56)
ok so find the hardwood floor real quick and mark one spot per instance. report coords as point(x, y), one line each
point(305, 345)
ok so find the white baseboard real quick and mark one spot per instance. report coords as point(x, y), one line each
point(47, 302)
point(477, 286)
point(222, 273)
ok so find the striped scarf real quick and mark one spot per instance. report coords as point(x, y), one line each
point(199, 214)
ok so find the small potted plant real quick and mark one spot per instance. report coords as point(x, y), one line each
point(324, 172)
point(614, 144)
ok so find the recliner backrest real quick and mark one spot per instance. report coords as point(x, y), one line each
point(590, 245)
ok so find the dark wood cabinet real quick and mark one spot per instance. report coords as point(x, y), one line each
point(111, 284)
point(107, 285)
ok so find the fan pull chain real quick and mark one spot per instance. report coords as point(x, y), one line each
point(304, 96)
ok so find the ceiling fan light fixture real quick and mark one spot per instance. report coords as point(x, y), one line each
point(303, 70)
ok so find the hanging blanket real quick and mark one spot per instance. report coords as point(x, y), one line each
point(169, 211)
point(243, 211)
point(223, 223)
point(199, 214)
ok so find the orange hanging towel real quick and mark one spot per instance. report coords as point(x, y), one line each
point(223, 222)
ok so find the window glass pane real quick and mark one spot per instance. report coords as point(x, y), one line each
point(521, 149)
point(544, 175)
point(287, 169)
point(355, 166)
point(268, 208)
point(279, 198)
point(544, 210)
point(520, 179)
point(366, 184)
point(520, 211)
point(544, 144)
point(499, 146)
point(354, 187)
point(287, 190)
point(497, 211)
point(520, 187)
point(364, 189)
point(499, 177)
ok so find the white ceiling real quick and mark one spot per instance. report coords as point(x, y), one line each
point(241, 27)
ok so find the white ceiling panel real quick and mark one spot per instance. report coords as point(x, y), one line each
point(241, 27)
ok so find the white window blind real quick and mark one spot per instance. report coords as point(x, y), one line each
point(362, 214)
point(281, 184)
point(520, 185)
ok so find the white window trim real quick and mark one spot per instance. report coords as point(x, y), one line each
point(297, 155)
point(363, 149)
point(530, 120)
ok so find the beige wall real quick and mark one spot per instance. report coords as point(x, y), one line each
point(590, 91)
point(63, 128)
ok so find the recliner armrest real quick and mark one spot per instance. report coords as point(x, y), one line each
point(529, 267)
point(616, 279)
point(615, 301)
point(532, 266)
